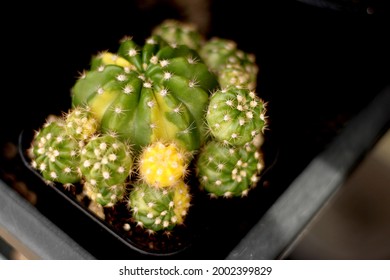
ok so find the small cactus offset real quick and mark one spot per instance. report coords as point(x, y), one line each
point(104, 194)
point(55, 153)
point(229, 171)
point(105, 163)
point(159, 209)
point(149, 93)
point(232, 65)
point(236, 115)
point(163, 164)
point(80, 123)
point(176, 32)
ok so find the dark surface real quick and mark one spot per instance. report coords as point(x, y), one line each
point(319, 68)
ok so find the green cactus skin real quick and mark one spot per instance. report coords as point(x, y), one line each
point(80, 123)
point(176, 32)
point(232, 65)
point(159, 209)
point(104, 194)
point(55, 154)
point(106, 159)
point(229, 171)
point(163, 164)
point(147, 94)
point(236, 115)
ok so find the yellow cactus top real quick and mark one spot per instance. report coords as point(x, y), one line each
point(162, 164)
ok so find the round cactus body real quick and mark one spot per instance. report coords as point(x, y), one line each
point(56, 154)
point(146, 94)
point(162, 164)
point(179, 33)
point(225, 59)
point(106, 161)
point(236, 115)
point(80, 123)
point(229, 170)
point(159, 209)
point(104, 194)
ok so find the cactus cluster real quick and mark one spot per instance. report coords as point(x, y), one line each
point(140, 117)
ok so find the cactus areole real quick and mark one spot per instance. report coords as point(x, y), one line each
point(149, 93)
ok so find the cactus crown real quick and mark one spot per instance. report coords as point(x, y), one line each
point(149, 93)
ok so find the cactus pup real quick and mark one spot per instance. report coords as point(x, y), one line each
point(228, 171)
point(55, 153)
point(236, 115)
point(157, 209)
point(176, 32)
point(80, 123)
point(105, 163)
point(163, 164)
point(232, 65)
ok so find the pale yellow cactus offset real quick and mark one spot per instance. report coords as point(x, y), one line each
point(163, 164)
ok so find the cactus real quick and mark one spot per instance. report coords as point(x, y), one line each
point(104, 194)
point(163, 164)
point(55, 154)
point(176, 32)
point(147, 94)
point(80, 123)
point(228, 171)
point(158, 209)
point(236, 115)
point(232, 65)
point(105, 163)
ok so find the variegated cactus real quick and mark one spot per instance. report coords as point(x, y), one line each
point(150, 93)
point(163, 164)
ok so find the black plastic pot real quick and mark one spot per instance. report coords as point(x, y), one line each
point(208, 218)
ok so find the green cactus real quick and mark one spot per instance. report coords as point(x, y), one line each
point(146, 94)
point(159, 209)
point(232, 65)
point(176, 32)
point(163, 164)
point(104, 194)
point(55, 153)
point(228, 171)
point(236, 115)
point(106, 163)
